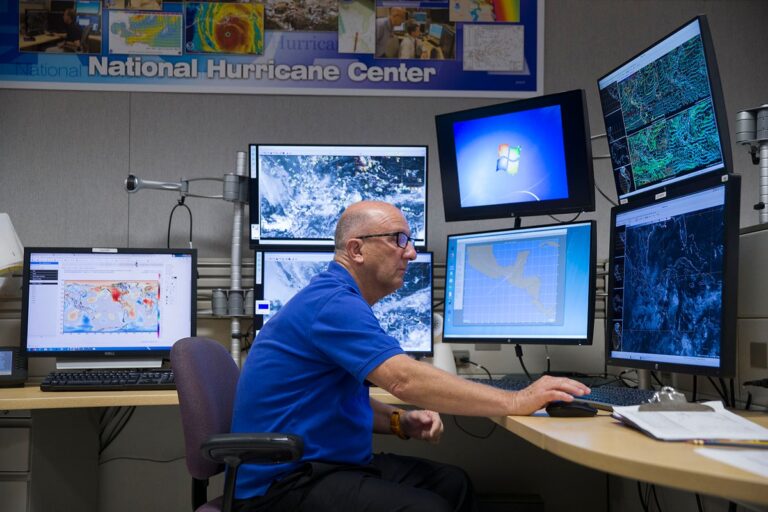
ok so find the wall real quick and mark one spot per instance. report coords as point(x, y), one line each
point(64, 155)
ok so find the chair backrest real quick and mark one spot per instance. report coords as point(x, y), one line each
point(206, 380)
point(84, 39)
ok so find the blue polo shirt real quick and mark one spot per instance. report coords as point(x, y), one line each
point(305, 375)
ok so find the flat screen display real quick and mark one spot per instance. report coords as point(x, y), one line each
point(107, 302)
point(664, 113)
point(521, 158)
point(298, 192)
point(405, 314)
point(672, 285)
point(534, 285)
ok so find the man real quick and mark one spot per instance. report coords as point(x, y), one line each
point(73, 35)
point(306, 375)
point(410, 46)
point(387, 43)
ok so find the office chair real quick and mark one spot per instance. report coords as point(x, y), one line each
point(84, 39)
point(206, 380)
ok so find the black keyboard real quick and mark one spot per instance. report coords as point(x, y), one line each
point(109, 380)
point(602, 397)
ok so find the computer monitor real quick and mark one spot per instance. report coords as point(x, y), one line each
point(522, 286)
point(35, 22)
point(88, 6)
point(298, 192)
point(664, 113)
point(435, 31)
point(525, 157)
point(62, 5)
point(447, 38)
point(89, 20)
point(93, 307)
point(672, 287)
point(418, 16)
point(405, 315)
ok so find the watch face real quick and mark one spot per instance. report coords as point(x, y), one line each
point(6, 362)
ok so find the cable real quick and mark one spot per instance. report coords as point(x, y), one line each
point(643, 503)
point(438, 304)
point(656, 497)
point(733, 394)
point(724, 387)
point(695, 385)
point(653, 374)
point(170, 220)
point(490, 377)
point(614, 203)
point(598, 136)
point(519, 354)
point(723, 397)
point(565, 221)
point(476, 436)
point(546, 351)
point(698, 503)
point(120, 424)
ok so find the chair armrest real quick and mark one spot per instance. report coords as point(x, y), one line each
point(234, 449)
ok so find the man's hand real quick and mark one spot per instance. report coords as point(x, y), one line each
point(424, 425)
point(547, 389)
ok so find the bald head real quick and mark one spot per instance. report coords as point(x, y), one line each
point(357, 219)
point(396, 15)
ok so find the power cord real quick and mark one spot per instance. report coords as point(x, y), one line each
point(466, 360)
point(519, 354)
point(170, 220)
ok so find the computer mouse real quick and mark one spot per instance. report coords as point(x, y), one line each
point(560, 409)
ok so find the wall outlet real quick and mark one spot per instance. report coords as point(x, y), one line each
point(461, 356)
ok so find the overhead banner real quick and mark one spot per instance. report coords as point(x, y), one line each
point(479, 48)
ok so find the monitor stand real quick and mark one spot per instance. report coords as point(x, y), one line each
point(80, 364)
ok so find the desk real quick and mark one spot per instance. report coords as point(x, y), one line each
point(604, 444)
point(30, 398)
point(40, 41)
point(600, 443)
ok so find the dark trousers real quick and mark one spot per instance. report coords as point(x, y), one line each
point(390, 483)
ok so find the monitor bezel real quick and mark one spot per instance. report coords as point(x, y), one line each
point(727, 366)
point(539, 340)
point(101, 354)
point(577, 153)
point(258, 287)
point(718, 102)
point(316, 244)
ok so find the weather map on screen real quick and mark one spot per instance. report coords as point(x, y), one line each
point(406, 314)
point(302, 190)
point(529, 285)
point(110, 306)
point(668, 278)
point(140, 33)
point(225, 28)
point(661, 113)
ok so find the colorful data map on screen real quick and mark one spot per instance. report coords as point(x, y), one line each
point(225, 28)
point(517, 282)
point(135, 33)
point(91, 306)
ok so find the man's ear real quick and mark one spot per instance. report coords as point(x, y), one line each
point(354, 249)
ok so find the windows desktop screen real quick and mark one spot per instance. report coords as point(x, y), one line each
point(510, 158)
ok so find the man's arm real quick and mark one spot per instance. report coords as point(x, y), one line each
point(425, 386)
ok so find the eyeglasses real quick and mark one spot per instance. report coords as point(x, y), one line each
point(400, 238)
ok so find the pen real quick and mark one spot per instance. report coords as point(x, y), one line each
point(732, 442)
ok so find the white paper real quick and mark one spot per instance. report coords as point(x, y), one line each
point(754, 461)
point(687, 425)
